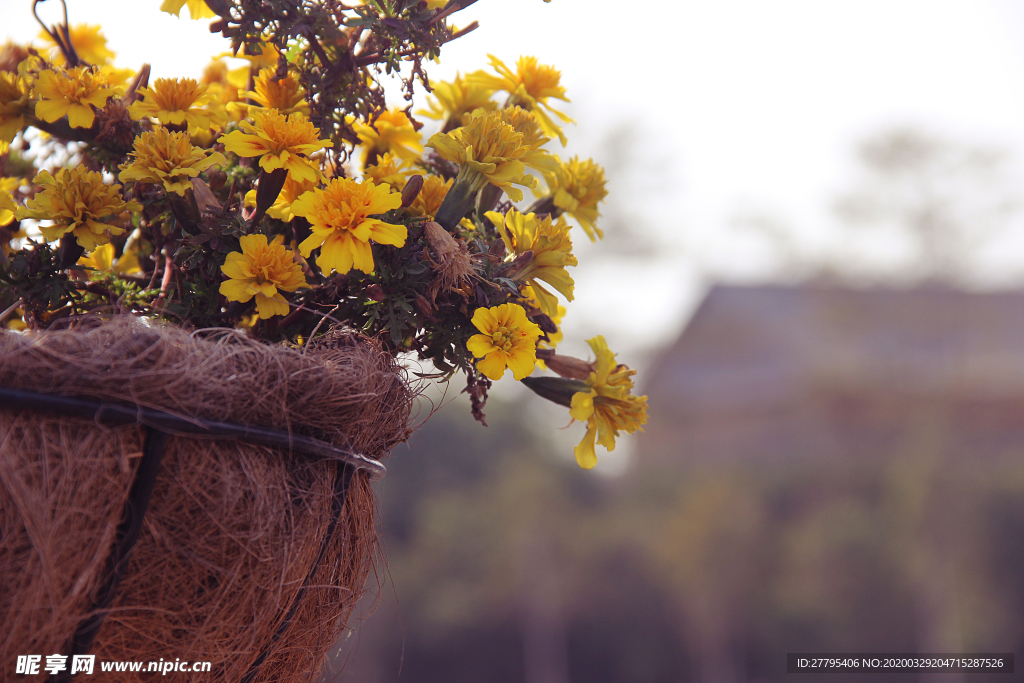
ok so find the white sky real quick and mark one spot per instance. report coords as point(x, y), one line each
point(734, 103)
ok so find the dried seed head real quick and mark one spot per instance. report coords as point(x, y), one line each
point(453, 265)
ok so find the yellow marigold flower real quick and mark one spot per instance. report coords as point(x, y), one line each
point(76, 201)
point(175, 101)
point(507, 339)
point(530, 86)
point(454, 101)
point(279, 142)
point(260, 270)
point(197, 9)
point(488, 148)
point(433, 192)
point(14, 105)
point(340, 218)
point(388, 169)
point(392, 132)
point(281, 209)
point(73, 93)
point(89, 42)
point(526, 123)
point(285, 95)
point(169, 159)
point(8, 207)
point(552, 253)
point(577, 188)
point(608, 407)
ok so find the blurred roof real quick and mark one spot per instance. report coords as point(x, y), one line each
point(776, 369)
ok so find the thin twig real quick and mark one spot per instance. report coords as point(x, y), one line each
point(313, 333)
point(13, 307)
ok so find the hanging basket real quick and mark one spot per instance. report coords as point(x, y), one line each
point(202, 498)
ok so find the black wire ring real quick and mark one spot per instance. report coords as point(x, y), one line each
point(116, 414)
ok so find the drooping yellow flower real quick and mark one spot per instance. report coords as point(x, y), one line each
point(530, 300)
point(552, 252)
point(488, 148)
point(73, 93)
point(392, 132)
point(507, 339)
point(101, 259)
point(169, 159)
point(388, 169)
point(282, 206)
point(526, 123)
point(608, 407)
point(260, 270)
point(530, 86)
point(285, 95)
point(197, 9)
point(76, 201)
point(433, 192)
point(340, 218)
point(89, 42)
point(14, 105)
point(280, 142)
point(8, 207)
point(175, 101)
point(577, 188)
point(454, 101)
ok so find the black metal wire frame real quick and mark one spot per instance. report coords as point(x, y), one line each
point(159, 427)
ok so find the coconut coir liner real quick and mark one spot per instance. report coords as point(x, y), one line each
point(232, 530)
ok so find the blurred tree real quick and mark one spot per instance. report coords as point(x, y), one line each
point(947, 197)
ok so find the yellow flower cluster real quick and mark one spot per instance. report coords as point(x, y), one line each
point(73, 93)
point(259, 271)
point(77, 202)
point(341, 218)
point(168, 159)
point(279, 141)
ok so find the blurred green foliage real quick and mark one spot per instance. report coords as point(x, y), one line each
point(698, 573)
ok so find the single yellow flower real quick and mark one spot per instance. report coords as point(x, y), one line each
point(73, 93)
point(281, 209)
point(577, 188)
point(456, 100)
point(507, 339)
point(14, 105)
point(392, 132)
point(489, 149)
point(340, 218)
point(552, 253)
point(527, 123)
point(89, 42)
point(285, 95)
point(197, 9)
point(260, 270)
point(530, 86)
point(433, 192)
point(608, 407)
point(175, 101)
point(76, 201)
point(279, 142)
point(388, 169)
point(169, 159)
